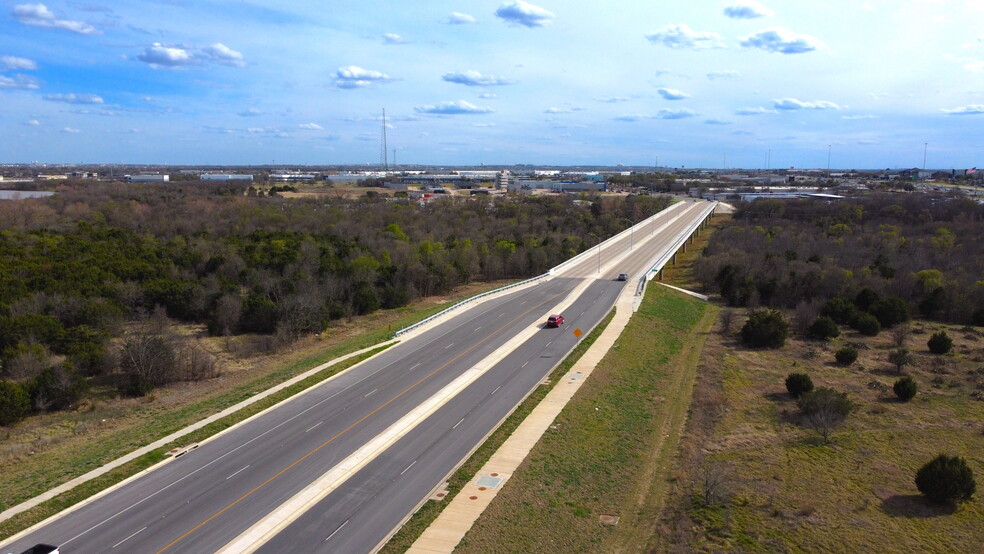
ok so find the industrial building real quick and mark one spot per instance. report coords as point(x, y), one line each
point(225, 177)
point(148, 178)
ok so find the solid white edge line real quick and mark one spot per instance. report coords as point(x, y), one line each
point(335, 531)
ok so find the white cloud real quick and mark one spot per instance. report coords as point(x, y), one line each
point(794, 104)
point(669, 113)
point(19, 82)
point(73, 98)
point(679, 35)
point(715, 121)
point(8, 63)
point(483, 124)
point(70, 130)
point(393, 38)
point(863, 116)
point(32, 122)
point(39, 15)
point(222, 54)
point(159, 55)
point(311, 126)
point(672, 94)
point(488, 95)
point(747, 9)
point(782, 41)
point(353, 76)
point(525, 14)
point(612, 99)
point(474, 79)
point(250, 112)
point(723, 75)
point(970, 109)
point(458, 18)
point(453, 108)
point(975, 66)
point(753, 111)
point(556, 110)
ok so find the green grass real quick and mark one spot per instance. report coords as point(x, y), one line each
point(605, 452)
point(427, 513)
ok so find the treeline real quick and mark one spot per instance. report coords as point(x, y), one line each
point(868, 254)
point(75, 267)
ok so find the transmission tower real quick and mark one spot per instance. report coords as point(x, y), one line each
point(383, 159)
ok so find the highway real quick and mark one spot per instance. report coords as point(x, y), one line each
point(489, 356)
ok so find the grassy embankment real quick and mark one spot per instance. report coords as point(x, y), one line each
point(46, 451)
point(613, 444)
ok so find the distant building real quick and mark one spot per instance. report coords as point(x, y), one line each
point(225, 177)
point(148, 178)
point(291, 177)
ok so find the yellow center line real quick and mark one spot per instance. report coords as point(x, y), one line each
point(365, 417)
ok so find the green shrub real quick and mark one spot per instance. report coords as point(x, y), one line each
point(946, 480)
point(840, 309)
point(867, 324)
point(846, 356)
point(15, 403)
point(823, 410)
point(905, 388)
point(978, 317)
point(890, 310)
point(798, 384)
point(823, 328)
point(765, 329)
point(940, 343)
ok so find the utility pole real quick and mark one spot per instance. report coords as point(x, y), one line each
point(828, 161)
point(925, 147)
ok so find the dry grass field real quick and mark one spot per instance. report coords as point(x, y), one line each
point(778, 487)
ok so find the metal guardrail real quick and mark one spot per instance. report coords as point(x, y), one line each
point(468, 300)
point(555, 269)
point(593, 250)
point(661, 261)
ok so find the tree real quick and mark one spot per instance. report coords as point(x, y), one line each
point(940, 343)
point(900, 334)
point(946, 480)
point(823, 328)
point(840, 309)
point(867, 324)
point(798, 384)
point(825, 409)
point(846, 355)
point(905, 388)
point(978, 317)
point(901, 357)
point(15, 403)
point(890, 310)
point(765, 329)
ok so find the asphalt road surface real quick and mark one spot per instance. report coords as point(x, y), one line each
point(204, 499)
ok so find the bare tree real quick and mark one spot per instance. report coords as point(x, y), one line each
point(900, 334)
point(712, 480)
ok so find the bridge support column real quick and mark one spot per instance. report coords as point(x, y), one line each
point(660, 277)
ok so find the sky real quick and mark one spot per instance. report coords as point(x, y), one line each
point(701, 83)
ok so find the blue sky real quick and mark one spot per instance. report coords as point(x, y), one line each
point(704, 83)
